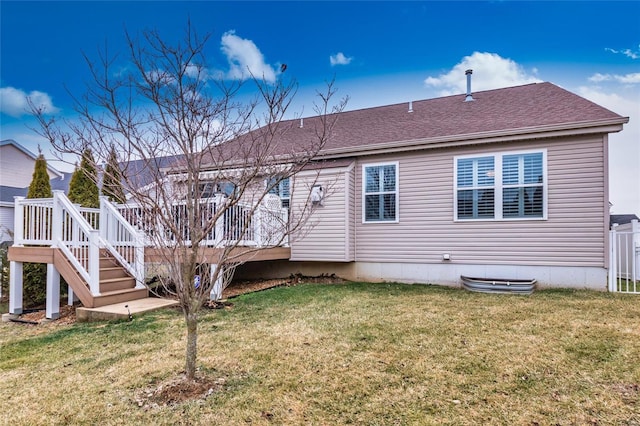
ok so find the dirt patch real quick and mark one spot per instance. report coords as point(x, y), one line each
point(178, 390)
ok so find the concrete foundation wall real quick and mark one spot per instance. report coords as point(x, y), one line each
point(448, 274)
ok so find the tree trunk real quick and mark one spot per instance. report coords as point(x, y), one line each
point(192, 344)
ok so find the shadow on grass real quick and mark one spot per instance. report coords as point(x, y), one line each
point(71, 338)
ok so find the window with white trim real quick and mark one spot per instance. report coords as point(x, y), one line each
point(522, 185)
point(476, 188)
point(501, 186)
point(380, 192)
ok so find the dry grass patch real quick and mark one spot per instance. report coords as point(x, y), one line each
point(341, 354)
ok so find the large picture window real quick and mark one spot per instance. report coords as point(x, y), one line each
point(380, 192)
point(501, 186)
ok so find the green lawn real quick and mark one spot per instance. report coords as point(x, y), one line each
point(343, 354)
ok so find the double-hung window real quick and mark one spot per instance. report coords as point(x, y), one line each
point(522, 185)
point(501, 186)
point(476, 187)
point(380, 192)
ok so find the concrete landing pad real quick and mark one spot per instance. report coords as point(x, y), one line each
point(121, 310)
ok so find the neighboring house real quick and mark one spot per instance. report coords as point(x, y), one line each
point(621, 219)
point(511, 184)
point(146, 173)
point(16, 171)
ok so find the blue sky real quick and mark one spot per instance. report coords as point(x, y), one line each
point(378, 52)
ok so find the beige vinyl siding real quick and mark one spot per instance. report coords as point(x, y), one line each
point(6, 223)
point(326, 237)
point(17, 167)
point(572, 235)
point(351, 214)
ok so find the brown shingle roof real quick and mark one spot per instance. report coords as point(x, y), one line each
point(532, 105)
point(508, 111)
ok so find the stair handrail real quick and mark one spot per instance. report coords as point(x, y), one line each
point(124, 241)
point(74, 236)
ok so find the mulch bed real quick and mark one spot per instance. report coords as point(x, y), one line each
point(37, 316)
point(249, 286)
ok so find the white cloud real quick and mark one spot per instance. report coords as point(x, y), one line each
point(633, 54)
point(632, 78)
point(492, 71)
point(13, 102)
point(194, 71)
point(245, 59)
point(339, 59)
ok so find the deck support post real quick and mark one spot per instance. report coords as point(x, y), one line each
point(53, 292)
point(15, 288)
point(139, 262)
point(216, 289)
point(71, 297)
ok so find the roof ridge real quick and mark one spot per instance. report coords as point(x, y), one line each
point(428, 99)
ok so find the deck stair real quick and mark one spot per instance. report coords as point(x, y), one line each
point(98, 253)
point(115, 283)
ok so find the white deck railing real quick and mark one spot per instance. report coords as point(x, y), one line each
point(80, 233)
point(56, 222)
point(32, 221)
point(264, 225)
point(624, 258)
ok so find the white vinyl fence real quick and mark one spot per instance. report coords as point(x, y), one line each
point(624, 258)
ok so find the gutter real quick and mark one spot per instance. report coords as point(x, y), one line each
point(612, 125)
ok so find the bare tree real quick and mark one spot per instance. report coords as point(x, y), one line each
point(195, 156)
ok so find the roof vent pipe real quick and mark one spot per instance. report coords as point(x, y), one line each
point(410, 106)
point(468, 97)
point(301, 123)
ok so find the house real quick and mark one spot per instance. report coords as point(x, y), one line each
point(506, 183)
point(509, 183)
point(621, 219)
point(16, 171)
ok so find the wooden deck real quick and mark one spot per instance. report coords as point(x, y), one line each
point(115, 285)
point(212, 255)
point(152, 254)
point(31, 254)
